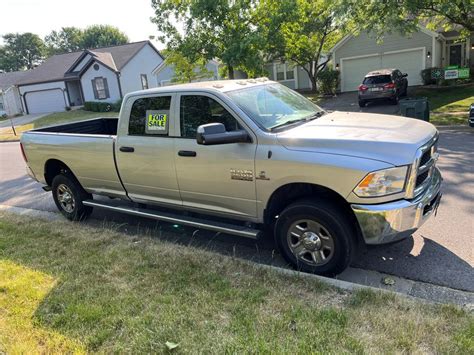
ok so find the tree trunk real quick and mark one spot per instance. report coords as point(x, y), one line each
point(230, 69)
point(314, 87)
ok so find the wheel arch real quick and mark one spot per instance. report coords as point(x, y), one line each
point(54, 167)
point(292, 192)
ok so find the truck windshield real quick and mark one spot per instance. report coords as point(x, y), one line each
point(274, 105)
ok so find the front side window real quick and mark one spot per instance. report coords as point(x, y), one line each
point(144, 80)
point(101, 89)
point(140, 119)
point(274, 105)
point(196, 110)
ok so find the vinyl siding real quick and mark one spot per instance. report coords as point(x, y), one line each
point(365, 44)
point(112, 82)
point(144, 62)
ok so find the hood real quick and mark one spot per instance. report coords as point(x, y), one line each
point(391, 139)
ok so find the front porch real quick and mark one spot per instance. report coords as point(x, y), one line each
point(74, 92)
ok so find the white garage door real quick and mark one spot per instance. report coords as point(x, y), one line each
point(354, 70)
point(408, 62)
point(45, 101)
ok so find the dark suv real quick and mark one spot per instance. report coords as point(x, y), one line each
point(383, 84)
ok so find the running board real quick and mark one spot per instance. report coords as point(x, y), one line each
point(227, 228)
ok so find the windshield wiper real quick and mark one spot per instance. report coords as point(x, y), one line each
point(288, 123)
point(304, 119)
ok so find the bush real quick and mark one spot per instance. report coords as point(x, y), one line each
point(426, 76)
point(95, 106)
point(328, 80)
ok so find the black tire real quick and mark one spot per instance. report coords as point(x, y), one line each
point(362, 103)
point(394, 100)
point(65, 185)
point(335, 222)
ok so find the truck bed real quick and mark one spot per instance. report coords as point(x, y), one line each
point(96, 126)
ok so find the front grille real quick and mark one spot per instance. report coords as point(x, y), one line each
point(426, 164)
point(420, 179)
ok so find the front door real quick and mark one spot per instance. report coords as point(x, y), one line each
point(216, 178)
point(145, 151)
point(455, 54)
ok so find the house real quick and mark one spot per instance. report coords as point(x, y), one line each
point(164, 73)
point(355, 55)
point(101, 74)
point(9, 95)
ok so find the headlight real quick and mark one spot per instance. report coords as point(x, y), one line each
point(382, 182)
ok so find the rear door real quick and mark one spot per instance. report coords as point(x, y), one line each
point(217, 178)
point(145, 151)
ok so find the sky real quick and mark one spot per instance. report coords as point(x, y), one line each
point(42, 16)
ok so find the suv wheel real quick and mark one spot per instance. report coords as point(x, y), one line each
point(68, 195)
point(316, 237)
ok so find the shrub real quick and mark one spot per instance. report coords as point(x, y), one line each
point(97, 106)
point(117, 105)
point(328, 80)
point(426, 76)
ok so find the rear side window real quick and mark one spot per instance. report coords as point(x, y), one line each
point(379, 79)
point(196, 110)
point(157, 107)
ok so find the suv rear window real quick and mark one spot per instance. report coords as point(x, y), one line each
point(379, 79)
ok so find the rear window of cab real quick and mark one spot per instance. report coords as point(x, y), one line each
point(378, 79)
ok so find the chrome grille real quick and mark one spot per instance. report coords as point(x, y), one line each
point(422, 169)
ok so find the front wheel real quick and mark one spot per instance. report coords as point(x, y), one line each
point(316, 237)
point(68, 196)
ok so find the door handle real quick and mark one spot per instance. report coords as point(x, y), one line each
point(127, 149)
point(187, 153)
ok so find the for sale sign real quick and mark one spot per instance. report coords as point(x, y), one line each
point(463, 73)
point(451, 74)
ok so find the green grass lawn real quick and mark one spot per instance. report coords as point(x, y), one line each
point(448, 105)
point(66, 287)
point(6, 134)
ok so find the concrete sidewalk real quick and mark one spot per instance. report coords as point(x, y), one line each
point(21, 120)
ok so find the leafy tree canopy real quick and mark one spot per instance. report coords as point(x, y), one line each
point(21, 51)
point(222, 29)
point(186, 69)
point(103, 36)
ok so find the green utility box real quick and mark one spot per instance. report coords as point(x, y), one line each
point(416, 107)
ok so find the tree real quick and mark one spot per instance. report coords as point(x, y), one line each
point(405, 15)
point(220, 29)
point(68, 39)
point(21, 51)
point(303, 31)
point(186, 69)
point(102, 36)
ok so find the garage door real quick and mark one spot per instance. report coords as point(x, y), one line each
point(354, 70)
point(408, 62)
point(45, 101)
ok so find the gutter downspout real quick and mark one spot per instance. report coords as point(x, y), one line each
point(119, 84)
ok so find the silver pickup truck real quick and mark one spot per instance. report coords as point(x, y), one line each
point(243, 158)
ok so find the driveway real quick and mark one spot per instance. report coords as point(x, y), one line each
point(441, 252)
point(21, 120)
point(348, 101)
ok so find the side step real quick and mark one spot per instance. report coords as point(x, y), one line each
point(227, 228)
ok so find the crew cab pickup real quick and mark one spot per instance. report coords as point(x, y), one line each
point(247, 158)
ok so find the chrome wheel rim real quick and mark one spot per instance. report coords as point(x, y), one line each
point(310, 242)
point(66, 198)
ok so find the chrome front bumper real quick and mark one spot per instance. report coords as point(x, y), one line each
point(389, 222)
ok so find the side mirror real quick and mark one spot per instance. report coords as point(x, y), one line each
point(215, 133)
point(404, 75)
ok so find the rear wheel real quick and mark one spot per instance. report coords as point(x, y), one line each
point(316, 237)
point(68, 195)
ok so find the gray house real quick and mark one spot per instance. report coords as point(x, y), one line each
point(102, 74)
point(164, 73)
point(355, 56)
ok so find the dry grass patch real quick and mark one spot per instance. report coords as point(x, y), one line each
point(122, 293)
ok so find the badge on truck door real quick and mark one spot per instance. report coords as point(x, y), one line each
point(157, 122)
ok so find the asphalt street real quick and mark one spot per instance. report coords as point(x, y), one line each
point(441, 252)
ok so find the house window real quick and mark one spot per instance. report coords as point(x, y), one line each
point(144, 80)
point(284, 71)
point(100, 87)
